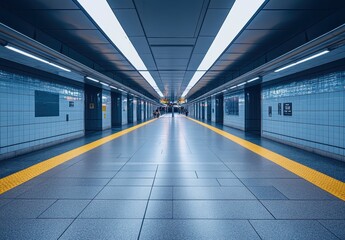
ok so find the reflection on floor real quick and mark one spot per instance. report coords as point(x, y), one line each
point(170, 179)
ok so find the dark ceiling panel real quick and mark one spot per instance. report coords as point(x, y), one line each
point(305, 4)
point(120, 4)
point(285, 19)
point(221, 4)
point(172, 51)
point(61, 19)
point(129, 20)
point(213, 21)
point(257, 36)
point(41, 4)
point(102, 48)
point(176, 18)
point(202, 45)
point(172, 63)
point(79, 36)
point(171, 41)
point(141, 45)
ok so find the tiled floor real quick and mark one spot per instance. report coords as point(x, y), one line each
point(171, 179)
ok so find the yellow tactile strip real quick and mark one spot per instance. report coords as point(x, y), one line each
point(327, 183)
point(25, 175)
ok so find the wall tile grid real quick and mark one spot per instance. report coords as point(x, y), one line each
point(213, 108)
point(235, 121)
point(20, 129)
point(106, 109)
point(318, 112)
point(135, 110)
point(124, 109)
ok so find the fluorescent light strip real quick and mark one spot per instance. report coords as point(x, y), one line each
point(239, 15)
point(241, 84)
point(105, 84)
point(103, 15)
point(252, 80)
point(302, 61)
point(92, 79)
point(113, 87)
point(233, 87)
point(35, 57)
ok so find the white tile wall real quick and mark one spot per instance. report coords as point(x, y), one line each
point(20, 129)
point(318, 112)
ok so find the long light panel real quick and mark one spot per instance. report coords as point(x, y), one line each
point(17, 50)
point(302, 61)
point(105, 18)
point(239, 15)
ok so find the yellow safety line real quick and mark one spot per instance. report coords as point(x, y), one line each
point(327, 183)
point(25, 175)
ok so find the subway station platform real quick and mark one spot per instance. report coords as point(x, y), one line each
point(170, 178)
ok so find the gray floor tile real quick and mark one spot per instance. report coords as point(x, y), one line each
point(140, 167)
point(192, 167)
point(291, 229)
point(135, 174)
point(115, 209)
point(121, 192)
point(62, 192)
point(266, 193)
point(176, 174)
point(207, 193)
point(230, 182)
point(24, 208)
point(24, 229)
point(230, 209)
point(162, 193)
point(131, 182)
point(65, 209)
point(76, 181)
point(297, 209)
point(337, 227)
point(197, 229)
point(215, 174)
point(186, 182)
point(103, 229)
point(3, 202)
point(86, 174)
point(264, 174)
point(159, 209)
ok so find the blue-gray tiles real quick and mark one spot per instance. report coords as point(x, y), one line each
point(298, 209)
point(124, 192)
point(291, 229)
point(131, 182)
point(17, 106)
point(62, 192)
point(23, 229)
point(24, 208)
point(317, 112)
point(115, 209)
point(337, 227)
point(229, 209)
point(197, 229)
point(159, 209)
point(65, 209)
point(111, 229)
point(266, 193)
point(208, 193)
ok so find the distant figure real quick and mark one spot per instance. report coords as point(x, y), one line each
point(154, 114)
point(186, 113)
point(157, 113)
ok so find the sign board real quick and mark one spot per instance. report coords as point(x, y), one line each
point(71, 104)
point(104, 108)
point(287, 109)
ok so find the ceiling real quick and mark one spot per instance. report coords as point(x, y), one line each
point(172, 37)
